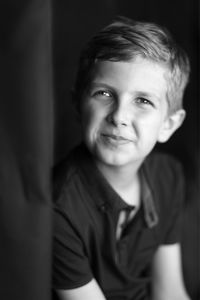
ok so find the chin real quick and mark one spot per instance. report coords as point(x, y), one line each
point(113, 159)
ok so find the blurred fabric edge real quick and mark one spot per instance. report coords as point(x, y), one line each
point(26, 149)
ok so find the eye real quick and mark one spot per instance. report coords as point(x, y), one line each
point(102, 93)
point(144, 101)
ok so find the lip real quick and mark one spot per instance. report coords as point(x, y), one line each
point(116, 139)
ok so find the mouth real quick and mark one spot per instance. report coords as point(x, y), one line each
point(116, 139)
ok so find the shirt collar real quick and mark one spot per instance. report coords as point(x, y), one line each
point(103, 194)
point(150, 212)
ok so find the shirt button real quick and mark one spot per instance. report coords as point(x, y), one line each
point(103, 207)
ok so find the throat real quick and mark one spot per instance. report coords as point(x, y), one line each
point(130, 193)
point(125, 181)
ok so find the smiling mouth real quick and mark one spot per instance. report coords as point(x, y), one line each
point(116, 139)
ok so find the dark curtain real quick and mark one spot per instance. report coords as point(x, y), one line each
point(26, 149)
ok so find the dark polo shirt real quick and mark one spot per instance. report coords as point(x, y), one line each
point(85, 219)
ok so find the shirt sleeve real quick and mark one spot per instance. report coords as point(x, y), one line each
point(71, 267)
point(174, 212)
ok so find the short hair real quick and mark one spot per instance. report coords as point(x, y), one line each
point(125, 39)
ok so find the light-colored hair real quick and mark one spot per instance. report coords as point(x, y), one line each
point(125, 39)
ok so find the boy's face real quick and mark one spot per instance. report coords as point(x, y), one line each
point(124, 111)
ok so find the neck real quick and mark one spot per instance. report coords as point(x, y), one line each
point(121, 178)
point(124, 180)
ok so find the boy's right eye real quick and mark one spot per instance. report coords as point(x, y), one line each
point(102, 93)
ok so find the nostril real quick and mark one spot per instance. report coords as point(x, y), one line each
point(118, 115)
point(110, 119)
point(116, 121)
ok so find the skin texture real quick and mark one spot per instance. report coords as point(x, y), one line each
point(125, 112)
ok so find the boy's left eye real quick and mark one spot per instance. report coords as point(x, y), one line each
point(144, 101)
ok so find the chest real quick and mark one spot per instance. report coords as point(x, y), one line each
point(126, 256)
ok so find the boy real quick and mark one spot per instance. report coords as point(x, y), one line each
point(117, 210)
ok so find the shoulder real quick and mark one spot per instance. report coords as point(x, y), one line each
point(68, 179)
point(64, 173)
point(165, 176)
point(70, 194)
point(163, 167)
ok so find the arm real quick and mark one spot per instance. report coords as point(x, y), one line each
point(90, 291)
point(167, 281)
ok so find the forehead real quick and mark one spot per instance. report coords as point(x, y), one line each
point(138, 74)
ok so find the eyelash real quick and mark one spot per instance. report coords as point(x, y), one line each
point(144, 101)
point(140, 100)
point(103, 93)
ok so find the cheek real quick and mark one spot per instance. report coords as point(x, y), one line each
point(90, 121)
point(93, 115)
point(87, 113)
point(150, 127)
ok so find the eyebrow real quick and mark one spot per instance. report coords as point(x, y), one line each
point(100, 84)
point(147, 95)
point(94, 84)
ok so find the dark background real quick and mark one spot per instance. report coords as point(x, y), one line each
point(74, 22)
point(40, 42)
point(26, 149)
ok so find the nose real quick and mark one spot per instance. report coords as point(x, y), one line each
point(119, 115)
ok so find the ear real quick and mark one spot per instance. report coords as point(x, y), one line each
point(170, 125)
